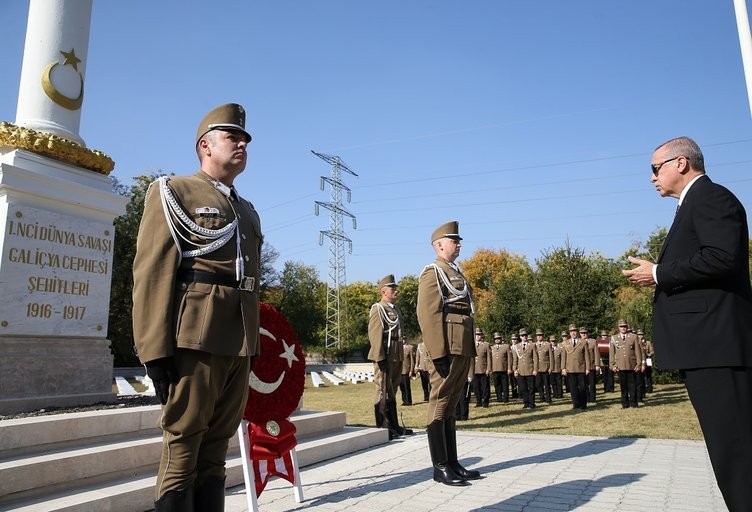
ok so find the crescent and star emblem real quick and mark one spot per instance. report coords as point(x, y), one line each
point(270, 387)
point(55, 95)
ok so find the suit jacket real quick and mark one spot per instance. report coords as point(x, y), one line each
point(501, 357)
point(702, 307)
point(446, 329)
point(382, 345)
point(625, 354)
point(212, 318)
point(482, 357)
point(525, 360)
point(545, 356)
point(556, 360)
point(575, 358)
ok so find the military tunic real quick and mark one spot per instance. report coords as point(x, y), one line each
point(446, 322)
point(525, 367)
point(575, 361)
point(209, 330)
point(423, 365)
point(501, 365)
point(384, 332)
point(625, 357)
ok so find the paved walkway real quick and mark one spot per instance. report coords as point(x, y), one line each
point(522, 472)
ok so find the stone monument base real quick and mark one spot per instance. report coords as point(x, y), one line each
point(39, 372)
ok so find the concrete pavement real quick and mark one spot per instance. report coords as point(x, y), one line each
point(522, 472)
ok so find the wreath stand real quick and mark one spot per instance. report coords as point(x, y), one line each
point(248, 474)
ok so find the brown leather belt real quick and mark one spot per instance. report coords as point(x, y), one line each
point(246, 284)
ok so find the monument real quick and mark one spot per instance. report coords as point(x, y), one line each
point(56, 217)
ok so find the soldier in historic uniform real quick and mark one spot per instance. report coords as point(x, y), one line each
point(545, 361)
point(608, 376)
point(501, 367)
point(482, 369)
point(556, 350)
point(625, 357)
point(408, 371)
point(423, 367)
point(525, 368)
point(564, 337)
point(595, 363)
point(445, 313)
point(575, 365)
point(196, 310)
point(648, 353)
point(384, 333)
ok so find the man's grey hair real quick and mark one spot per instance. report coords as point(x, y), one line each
point(686, 147)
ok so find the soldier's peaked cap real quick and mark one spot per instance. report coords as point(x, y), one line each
point(498, 336)
point(572, 327)
point(451, 229)
point(387, 281)
point(623, 322)
point(478, 330)
point(229, 116)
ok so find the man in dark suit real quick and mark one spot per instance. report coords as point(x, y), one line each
point(702, 293)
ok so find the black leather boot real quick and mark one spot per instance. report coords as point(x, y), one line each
point(380, 423)
point(210, 496)
point(175, 501)
point(451, 440)
point(391, 406)
point(442, 472)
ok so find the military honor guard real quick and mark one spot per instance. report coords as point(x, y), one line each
point(482, 369)
point(558, 390)
point(501, 367)
point(595, 363)
point(626, 359)
point(513, 381)
point(545, 363)
point(445, 313)
point(575, 365)
point(648, 353)
point(196, 310)
point(408, 371)
point(387, 354)
point(423, 367)
point(525, 368)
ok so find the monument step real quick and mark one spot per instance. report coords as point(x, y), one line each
point(136, 492)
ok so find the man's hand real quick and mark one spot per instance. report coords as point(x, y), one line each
point(162, 373)
point(642, 274)
point(383, 366)
point(442, 366)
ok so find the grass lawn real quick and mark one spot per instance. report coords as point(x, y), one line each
point(667, 413)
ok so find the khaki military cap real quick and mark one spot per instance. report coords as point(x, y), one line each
point(623, 323)
point(539, 331)
point(498, 336)
point(387, 280)
point(572, 327)
point(604, 333)
point(229, 116)
point(583, 329)
point(515, 337)
point(552, 338)
point(563, 333)
point(450, 229)
point(523, 332)
point(639, 331)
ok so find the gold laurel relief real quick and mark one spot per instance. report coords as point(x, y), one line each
point(55, 95)
point(56, 147)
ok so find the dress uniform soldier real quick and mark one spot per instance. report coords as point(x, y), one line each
point(608, 376)
point(445, 313)
point(462, 411)
point(648, 353)
point(384, 333)
point(556, 367)
point(595, 363)
point(513, 381)
point(423, 366)
point(501, 367)
point(196, 310)
point(525, 368)
point(408, 371)
point(564, 337)
point(575, 365)
point(625, 357)
point(545, 361)
point(482, 367)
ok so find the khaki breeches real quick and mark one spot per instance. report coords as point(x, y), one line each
point(392, 380)
point(202, 413)
point(445, 393)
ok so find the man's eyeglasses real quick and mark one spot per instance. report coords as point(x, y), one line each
point(657, 167)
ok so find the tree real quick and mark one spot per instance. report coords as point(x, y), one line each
point(407, 299)
point(269, 275)
point(358, 298)
point(508, 306)
point(485, 268)
point(302, 299)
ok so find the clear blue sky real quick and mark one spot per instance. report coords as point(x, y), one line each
point(529, 122)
